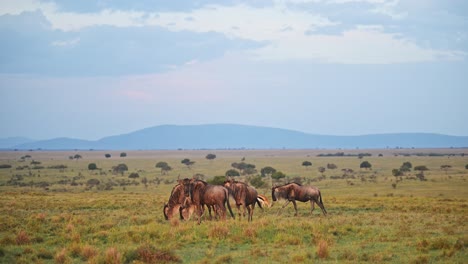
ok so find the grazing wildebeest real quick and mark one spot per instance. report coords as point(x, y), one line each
point(295, 192)
point(178, 203)
point(244, 195)
point(202, 193)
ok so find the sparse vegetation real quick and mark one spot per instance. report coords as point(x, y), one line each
point(75, 215)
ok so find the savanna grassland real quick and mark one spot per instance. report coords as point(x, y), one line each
point(53, 209)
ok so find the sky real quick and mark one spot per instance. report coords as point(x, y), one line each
point(90, 69)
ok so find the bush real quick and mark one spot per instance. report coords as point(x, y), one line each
point(123, 155)
point(134, 175)
point(278, 175)
point(107, 155)
point(92, 166)
point(232, 173)
point(121, 168)
point(217, 180)
point(5, 166)
point(257, 182)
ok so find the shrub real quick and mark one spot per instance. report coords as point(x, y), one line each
point(257, 182)
point(107, 155)
point(232, 173)
point(121, 168)
point(92, 182)
point(123, 155)
point(217, 180)
point(5, 166)
point(134, 175)
point(92, 166)
point(278, 175)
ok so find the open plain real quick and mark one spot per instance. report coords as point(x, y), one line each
point(55, 209)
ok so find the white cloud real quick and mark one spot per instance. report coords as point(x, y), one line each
point(66, 43)
point(287, 33)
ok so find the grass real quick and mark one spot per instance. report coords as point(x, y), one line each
point(368, 221)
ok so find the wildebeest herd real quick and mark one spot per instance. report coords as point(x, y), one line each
point(191, 196)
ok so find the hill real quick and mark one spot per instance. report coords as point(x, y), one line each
point(229, 136)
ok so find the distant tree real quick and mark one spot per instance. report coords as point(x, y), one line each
point(244, 168)
point(278, 175)
point(380, 155)
point(107, 155)
point(445, 167)
point(331, 166)
point(366, 165)
point(134, 175)
point(121, 168)
point(231, 173)
point(306, 164)
point(421, 168)
point(123, 155)
point(267, 171)
point(210, 157)
point(161, 165)
point(70, 157)
point(406, 167)
point(92, 166)
point(321, 170)
point(187, 162)
point(165, 169)
point(466, 166)
point(77, 156)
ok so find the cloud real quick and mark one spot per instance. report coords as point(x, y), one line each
point(122, 38)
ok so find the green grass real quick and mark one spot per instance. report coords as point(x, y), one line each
point(368, 221)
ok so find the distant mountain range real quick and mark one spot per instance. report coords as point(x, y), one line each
point(229, 136)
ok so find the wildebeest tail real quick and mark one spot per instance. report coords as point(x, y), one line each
point(321, 202)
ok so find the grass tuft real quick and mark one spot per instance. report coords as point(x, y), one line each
point(22, 238)
point(322, 249)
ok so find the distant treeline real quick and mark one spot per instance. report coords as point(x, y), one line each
point(431, 154)
point(342, 154)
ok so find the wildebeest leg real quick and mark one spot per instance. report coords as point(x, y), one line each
point(320, 204)
point(295, 207)
point(251, 210)
point(282, 207)
point(312, 206)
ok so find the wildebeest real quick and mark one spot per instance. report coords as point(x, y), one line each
point(178, 204)
point(202, 193)
point(244, 195)
point(295, 192)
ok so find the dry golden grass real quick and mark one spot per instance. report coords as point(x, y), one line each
point(368, 221)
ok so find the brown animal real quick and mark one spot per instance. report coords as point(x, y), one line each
point(178, 204)
point(295, 192)
point(263, 200)
point(202, 193)
point(244, 195)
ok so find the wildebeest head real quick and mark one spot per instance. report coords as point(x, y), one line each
point(273, 190)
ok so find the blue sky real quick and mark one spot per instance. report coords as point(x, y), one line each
point(89, 69)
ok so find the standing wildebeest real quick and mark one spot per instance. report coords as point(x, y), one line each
point(178, 203)
point(294, 191)
point(244, 195)
point(202, 193)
